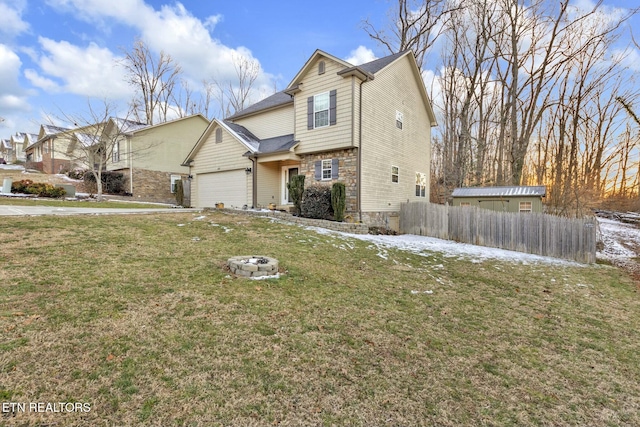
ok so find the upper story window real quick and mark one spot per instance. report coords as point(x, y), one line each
point(321, 67)
point(115, 154)
point(399, 119)
point(321, 110)
point(395, 174)
point(218, 135)
point(421, 184)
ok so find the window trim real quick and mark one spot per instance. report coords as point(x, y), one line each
point(399, 119)
point(525, 210)
point(421, 184)
point(115, 153)
point(174, 179)
point(395, 174)
point(324, 169)
point(316, 110)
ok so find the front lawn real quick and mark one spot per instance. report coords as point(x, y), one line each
point(135, 318)
point(89, 203)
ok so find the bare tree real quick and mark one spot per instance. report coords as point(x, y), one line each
point(88, 146)
point(154, 79)
point(235, 95)
point(414, 25)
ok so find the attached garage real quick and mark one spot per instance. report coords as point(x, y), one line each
point(228, 187)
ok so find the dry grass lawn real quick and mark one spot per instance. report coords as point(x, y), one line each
point(136, 317)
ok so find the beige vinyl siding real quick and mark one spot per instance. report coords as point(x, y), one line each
point(328, 137)
point(384, 145)
point(271, 123)
point(162, 147)
point(224, 156)
point(269, 183)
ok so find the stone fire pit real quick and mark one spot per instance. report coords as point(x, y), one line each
point(253, 266)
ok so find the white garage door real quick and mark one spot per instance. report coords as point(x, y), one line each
point(229, 187)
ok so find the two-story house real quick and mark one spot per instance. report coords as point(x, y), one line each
point(50, 152)
point(19, 142)
point(368, 126)
point(150, 156)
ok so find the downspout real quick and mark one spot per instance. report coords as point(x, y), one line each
point(254, 181)
point(359, 189)
point(130, 159)
point(51, 153)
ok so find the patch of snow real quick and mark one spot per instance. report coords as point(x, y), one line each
point(425, 246)
point(67, 178)
point(12, 167)
point(274, 276)
point(181, 225)
point(619, 239)
point(421, 292)
point(199, 218)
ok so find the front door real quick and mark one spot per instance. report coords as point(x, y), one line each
point(288, 172)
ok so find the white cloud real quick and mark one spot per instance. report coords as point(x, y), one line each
point(361, 55)
point(12, 23)
point(176, 32)
point(12, 97)
point(89, 71)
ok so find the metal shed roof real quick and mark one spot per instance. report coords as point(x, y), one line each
point(539, 191)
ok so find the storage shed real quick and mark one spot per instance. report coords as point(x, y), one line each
point(505, 199)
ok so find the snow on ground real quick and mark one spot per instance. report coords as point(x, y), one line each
point(621, 241)
point(423, 245)
point(12, 167)
point(621, 246)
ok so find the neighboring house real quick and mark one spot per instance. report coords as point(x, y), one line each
point(50, 152)
point(150, 156)
point(506, 199)
point(368, 126)
point(59, 150)
point(6, 150)
point(19, 143)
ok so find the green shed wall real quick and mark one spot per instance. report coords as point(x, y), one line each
point(506, 204)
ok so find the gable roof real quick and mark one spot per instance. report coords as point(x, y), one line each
point(52, 130)
point(510, 191)
point(307, 64)
point(380, 63)
point(278, 99)
point(253, 144)
point(126, 125)
point(6, 143)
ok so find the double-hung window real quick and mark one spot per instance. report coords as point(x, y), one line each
point(421, 184)
point(395, 174)
point(115, 154)
point(321, 110)
point(326, 169)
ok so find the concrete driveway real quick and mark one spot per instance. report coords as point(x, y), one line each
point(53, 210)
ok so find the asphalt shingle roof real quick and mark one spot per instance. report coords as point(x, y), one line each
point(540, 191)
point(275, 100)
point(276, 144)
point(378, 64)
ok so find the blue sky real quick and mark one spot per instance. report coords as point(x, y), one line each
point(55, 55)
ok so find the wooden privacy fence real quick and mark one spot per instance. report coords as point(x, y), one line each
point(534, 233)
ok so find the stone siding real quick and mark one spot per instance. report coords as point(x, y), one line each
point(388, 220)
point(151, 186)
point(347, 173)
